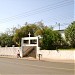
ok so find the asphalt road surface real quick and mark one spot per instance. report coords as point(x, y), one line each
point(29, 67)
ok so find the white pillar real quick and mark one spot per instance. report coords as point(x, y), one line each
point(21, 53)
point(37, 48)
point(29, 37)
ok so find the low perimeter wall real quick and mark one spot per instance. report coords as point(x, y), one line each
point(60, 55)
point(49, 54)
point(9, 51)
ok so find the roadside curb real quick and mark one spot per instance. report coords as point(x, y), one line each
point(12, 57)
point(49, 60)
point(62, 61)
point(34, 59)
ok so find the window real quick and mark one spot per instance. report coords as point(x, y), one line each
point(33, 41)
point(25, 41)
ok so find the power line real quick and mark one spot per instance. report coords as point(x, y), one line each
point(37, 11)
point(58, 19)
point(27, 15)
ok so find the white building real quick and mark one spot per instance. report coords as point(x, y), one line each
point(62, 33)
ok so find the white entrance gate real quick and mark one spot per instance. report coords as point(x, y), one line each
point(28, 44)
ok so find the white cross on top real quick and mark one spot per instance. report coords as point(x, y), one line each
point(29, 34)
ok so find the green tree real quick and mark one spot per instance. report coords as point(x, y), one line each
point(70, 34)
point(23, 32)
point(50, 39)
point(6, 40)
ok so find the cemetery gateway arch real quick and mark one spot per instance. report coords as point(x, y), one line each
point(29, 46)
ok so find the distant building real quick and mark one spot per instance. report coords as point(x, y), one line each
point(62, 33)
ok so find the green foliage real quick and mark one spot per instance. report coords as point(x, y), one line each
point(6, 40)
point(70, 34)
point(24, 31)
point(50, 39)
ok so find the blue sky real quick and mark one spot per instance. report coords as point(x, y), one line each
point(16, 12)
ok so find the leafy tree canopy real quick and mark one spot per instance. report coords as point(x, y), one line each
point(24, 31)
point(70, 34)
point(6, 40)
point(50, 38)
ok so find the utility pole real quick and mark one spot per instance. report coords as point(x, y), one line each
point(59, 25)
point(60, 32)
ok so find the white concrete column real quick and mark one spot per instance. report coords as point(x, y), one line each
point(21, 52)
point(29, 37)
point(29, 40)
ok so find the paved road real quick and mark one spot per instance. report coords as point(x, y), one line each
point(28, 67)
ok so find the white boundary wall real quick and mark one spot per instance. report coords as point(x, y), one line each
point(49, 54)
point(60, 55)
point(9, 51)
